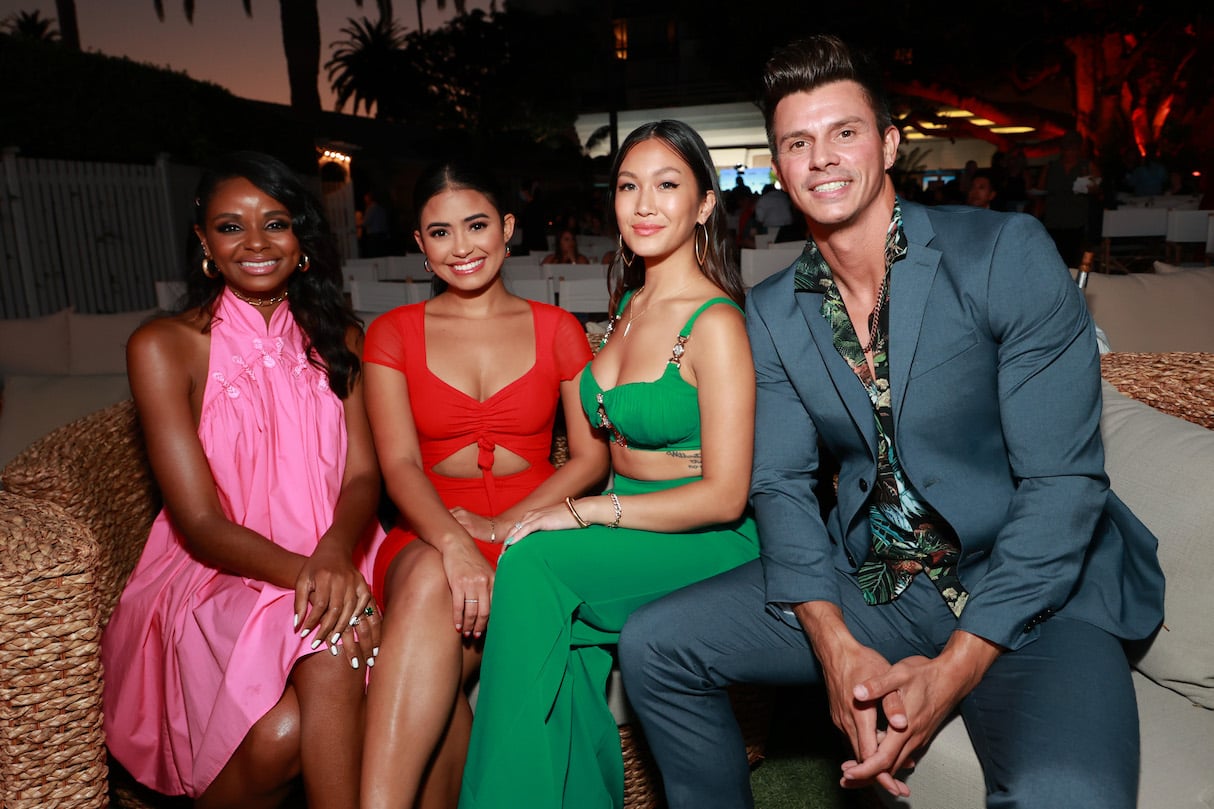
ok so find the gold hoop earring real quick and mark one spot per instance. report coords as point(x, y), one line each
point(426, 264)
point(627, 261)
point(305, 264)
point(208, 267)
point(701, 254)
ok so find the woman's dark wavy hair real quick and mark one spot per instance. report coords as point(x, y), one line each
point(455, 174)
point(720, 267)
point(807, 64)
point(316, 298)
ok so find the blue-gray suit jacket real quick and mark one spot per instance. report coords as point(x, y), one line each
point(995, 379)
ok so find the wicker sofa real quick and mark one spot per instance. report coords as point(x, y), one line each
point(78, 502)
point(74, 514)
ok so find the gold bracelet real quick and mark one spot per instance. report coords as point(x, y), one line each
point(619, 512)
point(581, 523)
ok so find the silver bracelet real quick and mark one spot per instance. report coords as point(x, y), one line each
point(619, 512)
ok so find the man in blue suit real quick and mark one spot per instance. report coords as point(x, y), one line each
point(973, 557)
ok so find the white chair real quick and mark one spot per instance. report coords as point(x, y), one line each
point(411, 266)
point(593, 270)
point(1146, 226)
point(1185, 228)
point(528, 279)
point(584, 295)
point(594, 246)
point(765, 240)
point(382, 296)
point(168, 293)
point(758, 263)
point(361, 269)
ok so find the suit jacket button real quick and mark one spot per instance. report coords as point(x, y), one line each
point(863, 485)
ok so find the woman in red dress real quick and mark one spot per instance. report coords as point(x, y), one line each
point(462, 394)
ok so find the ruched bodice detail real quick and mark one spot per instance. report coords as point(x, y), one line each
point(660, 415)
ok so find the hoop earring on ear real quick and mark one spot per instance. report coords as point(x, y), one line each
point(305, 264)
point(208, 267)
point(426, 264)
point(701, 254)
point(623, 258)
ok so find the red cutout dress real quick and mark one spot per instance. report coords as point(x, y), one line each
point(519, 417)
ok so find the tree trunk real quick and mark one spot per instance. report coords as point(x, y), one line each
point(301, 43)
point(69, 31)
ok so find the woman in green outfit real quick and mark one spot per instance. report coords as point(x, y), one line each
point(673, 389)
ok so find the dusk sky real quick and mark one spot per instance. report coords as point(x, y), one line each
point(243, 54)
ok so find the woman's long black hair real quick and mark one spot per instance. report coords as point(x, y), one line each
point(316, 298)
point(720, 267)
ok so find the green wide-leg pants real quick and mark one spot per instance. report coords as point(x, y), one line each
point(543, 736)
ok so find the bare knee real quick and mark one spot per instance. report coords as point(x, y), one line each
point(273, 742)
point(264, 767)
point(416, 581)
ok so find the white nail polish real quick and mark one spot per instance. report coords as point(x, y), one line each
point(316, 643)
point(304, 633)
point(370, 662)
point(333, 651)
point(336, 637)
point(353, 662)
point(375, 652)
point(295, 624)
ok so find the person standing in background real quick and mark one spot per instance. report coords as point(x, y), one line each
point(1071, 183)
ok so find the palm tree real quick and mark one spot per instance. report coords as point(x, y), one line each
point(461, 7)
point(364, 65)
point(300, 42)
point(30, 25)
point(69, 31)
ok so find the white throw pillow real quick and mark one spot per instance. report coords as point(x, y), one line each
point(1160, 466)
point(35, 405)
point(97, 343)
point(35, 345)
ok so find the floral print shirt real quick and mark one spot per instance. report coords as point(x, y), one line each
point(908, 535)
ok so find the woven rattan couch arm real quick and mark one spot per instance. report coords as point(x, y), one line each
point(52, 749)
point(97, 470)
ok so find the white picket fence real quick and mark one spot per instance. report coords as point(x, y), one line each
point(98, 236)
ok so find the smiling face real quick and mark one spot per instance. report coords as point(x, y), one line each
point(657, 201)
point(248, 234)
point(832, 156)
point(464, 237)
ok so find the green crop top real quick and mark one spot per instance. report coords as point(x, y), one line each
point(659, 415)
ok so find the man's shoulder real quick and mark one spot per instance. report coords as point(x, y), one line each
point(925, 223)
point(774, 286)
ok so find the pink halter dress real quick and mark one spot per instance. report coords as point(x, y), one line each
point(194, 656)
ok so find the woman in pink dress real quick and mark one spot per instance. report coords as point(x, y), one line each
point(236, 659)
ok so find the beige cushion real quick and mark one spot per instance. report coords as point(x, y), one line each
point(1160, 466)
point(97, 343)
point(35, 345)
point(35, 405)
point(1176, 770)
point(1154, 312)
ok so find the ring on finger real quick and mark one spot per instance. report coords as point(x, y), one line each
point(472, 601)
point(517, 526)
point(369, 610)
